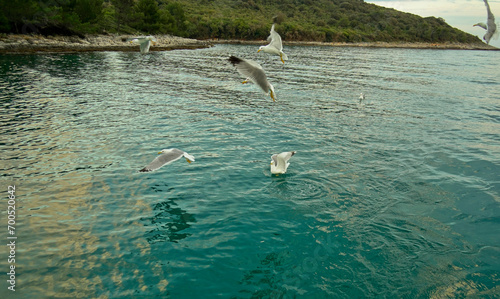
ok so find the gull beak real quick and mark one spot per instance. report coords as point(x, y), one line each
point(159, 153)
point(259, 50)
point(246, 81)
point(154, 43)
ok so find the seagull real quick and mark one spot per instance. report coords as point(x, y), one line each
point(253, 72)
point(279, 162)
point(361, 97)
point(167, 156)
point(144, 42)
point(275, 46)
point(490, 26)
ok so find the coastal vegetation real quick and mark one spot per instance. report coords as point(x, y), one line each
point(297, 20)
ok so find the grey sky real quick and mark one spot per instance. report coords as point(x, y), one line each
point(461, 14)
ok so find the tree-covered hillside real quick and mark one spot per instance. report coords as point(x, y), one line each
point(305, 20)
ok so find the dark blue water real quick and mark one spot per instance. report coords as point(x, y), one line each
point(396, 197)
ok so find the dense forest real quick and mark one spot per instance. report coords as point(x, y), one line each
point(305, 20)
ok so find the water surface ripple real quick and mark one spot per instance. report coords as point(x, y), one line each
point(395, 197)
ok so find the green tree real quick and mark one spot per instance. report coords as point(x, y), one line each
point(148, 16)
point(17, 14)
point(88, 10)
point(319, 20)
point(173, 19)
point(124, 12)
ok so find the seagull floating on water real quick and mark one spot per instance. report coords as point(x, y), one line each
point(361, 97)
point(490, 26)
point(279, 162)
point(167, 156)
point(144, 42)
point(275, 45)
point(253, 72)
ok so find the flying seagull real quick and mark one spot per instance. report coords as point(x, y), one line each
point(275, 45)
point(167, 156)
point(253, 72)
point(144, 42)
point(490, 26)
point(279, 162)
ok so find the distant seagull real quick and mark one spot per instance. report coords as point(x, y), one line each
point(490, 26)
point(167, 156)
point(253, 72)
point(361, 97)
point(144, 42)
point(279, 162)
point(275, 46)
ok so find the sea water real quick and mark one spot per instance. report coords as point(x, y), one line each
point(394, 197)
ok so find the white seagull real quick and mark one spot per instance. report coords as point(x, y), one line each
point(279, 162)
point(167, 156)
point(490, 26)
point(361, 97)
point(144, 42)
point(275, 46)
point(253, 72)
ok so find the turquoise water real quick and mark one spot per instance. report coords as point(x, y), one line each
point(397, 197)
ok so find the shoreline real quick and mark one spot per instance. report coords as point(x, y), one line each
point(400, 45)
point(31, 44)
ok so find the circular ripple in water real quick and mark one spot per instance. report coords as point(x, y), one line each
point(303, 188)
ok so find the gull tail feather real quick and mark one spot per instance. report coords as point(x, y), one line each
point(189, 157)
point(235, 60)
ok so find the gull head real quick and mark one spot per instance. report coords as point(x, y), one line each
point(260, 49)
point(482, 25)
point(163, 151)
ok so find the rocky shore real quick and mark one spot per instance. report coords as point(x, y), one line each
point(12, 43)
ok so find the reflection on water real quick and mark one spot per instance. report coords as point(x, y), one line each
point(170, 222)
point(395, 197)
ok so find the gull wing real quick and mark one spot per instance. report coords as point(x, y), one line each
point(137, 38)
point(145, 46)
point(491, 17)
point(280, 163)
point(286, 155)
point(275, 40)
point(251, 70)
point(164, 159)
point(274, 159)
point(492, 27)
point(270, 37)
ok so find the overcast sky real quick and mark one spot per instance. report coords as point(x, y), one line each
point(461, 14)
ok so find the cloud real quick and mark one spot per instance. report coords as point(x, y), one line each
point(427, 8)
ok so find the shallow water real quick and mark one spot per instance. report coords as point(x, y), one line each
point(394, 197)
